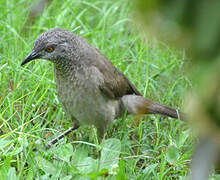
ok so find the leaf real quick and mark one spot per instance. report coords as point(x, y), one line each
point(103, 173)
point(88, 165)
point(79, 155)
point(24, 141)
point(172, 154)
point(45, 177)
point(64, 152)
point(67, 177)
point(147, 172)
point(182, 138)
point(16, 151)
point(3, 144)
point(45, 165)
point(110, 151)
point(12, 174)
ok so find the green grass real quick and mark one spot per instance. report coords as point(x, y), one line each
point(151, 147)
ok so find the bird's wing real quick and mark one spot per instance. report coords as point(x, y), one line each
point(115, 83)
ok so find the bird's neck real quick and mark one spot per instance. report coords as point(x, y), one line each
point(68, 71)
point(63, 70)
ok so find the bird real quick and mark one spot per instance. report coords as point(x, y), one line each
point(89, 87)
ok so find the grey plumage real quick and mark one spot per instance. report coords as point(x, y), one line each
point(89, 87)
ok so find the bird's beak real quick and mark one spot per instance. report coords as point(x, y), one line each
point(33, 55)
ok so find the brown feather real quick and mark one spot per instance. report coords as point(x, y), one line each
point(114, 80)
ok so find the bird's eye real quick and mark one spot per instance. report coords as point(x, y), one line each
point(49, 49)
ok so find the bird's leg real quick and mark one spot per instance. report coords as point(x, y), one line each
point(74, 127)
point(101, 132)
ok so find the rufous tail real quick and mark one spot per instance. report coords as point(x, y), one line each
point(136, 105)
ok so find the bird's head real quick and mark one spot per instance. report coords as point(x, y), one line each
point(55, 45)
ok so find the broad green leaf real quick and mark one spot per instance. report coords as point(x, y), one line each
point(88, 165)
point(67, 177)
point(3, 143)
point(101, 174)
point(110, 152)
point(182, 138)
point(16, 151)
point(45, 165)
point(172, 154)
point(79, 154)
point(64, 152)
point(45, 177)
point(11, 175)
